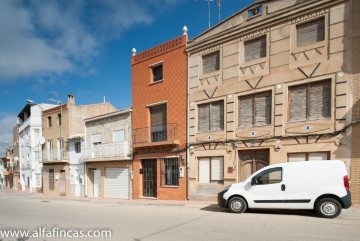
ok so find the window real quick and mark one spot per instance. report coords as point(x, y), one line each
point(51, 179)
point(60, 145)
point(255, 11)
point(49, 121)
point(96, 139)
point(118, 136)
point(211, 117)
point(310, 32)
point(310, 156)
point(158, 123)
point(157, 72)
point(77, 147)
point(211, 62)
point(255, 49)
point(255, 110)
point(50, 150)
point(171, 171)
point(211, 169)
point(59, 119)
point(310, 101)
point(270, 176)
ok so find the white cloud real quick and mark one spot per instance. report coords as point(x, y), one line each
point(41, 38)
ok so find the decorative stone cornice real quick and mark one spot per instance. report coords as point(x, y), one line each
point(254, 34)
point(210, 50)
point(310, 16)
point(160, 49)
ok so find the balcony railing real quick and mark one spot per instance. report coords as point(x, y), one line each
point(155, 135)
point(49, 155)
point(112, 150)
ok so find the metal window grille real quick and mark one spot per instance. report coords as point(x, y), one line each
point(171, 171)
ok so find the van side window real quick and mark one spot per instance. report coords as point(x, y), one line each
point(270, 176)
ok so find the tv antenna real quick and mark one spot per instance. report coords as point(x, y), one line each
point(209, 11)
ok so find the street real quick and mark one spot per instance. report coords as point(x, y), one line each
point(131, 220)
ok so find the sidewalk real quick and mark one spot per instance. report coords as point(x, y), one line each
point(37, 195)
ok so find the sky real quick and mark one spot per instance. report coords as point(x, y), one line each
point(83, 47)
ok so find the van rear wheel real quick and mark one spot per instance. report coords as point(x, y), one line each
point(328, 208)
point(237, 205)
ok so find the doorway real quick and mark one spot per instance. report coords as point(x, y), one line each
point(252, 161)
point(97, 182)
point(62, 182)
point(149, 177)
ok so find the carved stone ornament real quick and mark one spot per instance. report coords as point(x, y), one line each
point(255, 34)
point(309, 16)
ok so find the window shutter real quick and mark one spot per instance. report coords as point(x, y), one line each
point(297, 157)
point(318, 156)
point(118, 136)
point(319, 100)
point(255, 49)
point(211, 62)
point(217, 116)
point(96, 138)
point(204, 118)
point(158, 117)
point(246, 111)
point(204, 170)
point(217, 169)
point(263, 109)
point(310, 32)
point(297, 103)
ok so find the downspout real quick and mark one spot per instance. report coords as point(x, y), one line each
point(187, 123)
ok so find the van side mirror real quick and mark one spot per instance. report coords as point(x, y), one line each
point(253, 181)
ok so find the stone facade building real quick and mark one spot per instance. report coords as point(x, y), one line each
point(159, 121)
point(275, 82)
point(108, 155)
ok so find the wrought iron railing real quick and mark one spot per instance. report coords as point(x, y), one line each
point(164, 133)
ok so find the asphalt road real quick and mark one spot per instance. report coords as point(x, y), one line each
point(152, 221)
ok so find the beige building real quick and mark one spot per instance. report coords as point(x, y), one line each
point(63, 126)
point(276, 82)
point(108, 155)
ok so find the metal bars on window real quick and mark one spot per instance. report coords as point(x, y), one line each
point(170, 171)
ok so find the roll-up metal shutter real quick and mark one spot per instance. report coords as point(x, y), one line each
point(117, 183)
point(255, 49)
point(310, 32)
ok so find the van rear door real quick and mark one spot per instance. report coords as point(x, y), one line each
point(267, 189)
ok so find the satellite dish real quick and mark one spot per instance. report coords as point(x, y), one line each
point(41, 140)
point(18, 121)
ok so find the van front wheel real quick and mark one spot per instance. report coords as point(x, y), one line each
point(237, 205)
point(328, 208)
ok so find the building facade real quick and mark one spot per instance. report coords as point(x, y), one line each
point(272, 83)
point(30, 141)
point(108, 155)
point(62, 127)
point(159, 121)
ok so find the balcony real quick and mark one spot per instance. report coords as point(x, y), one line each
point(110, 151)
point(54, 156)
point(155, 136)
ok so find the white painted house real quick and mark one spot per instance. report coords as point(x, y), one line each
point(30, 145)
point(77, 168)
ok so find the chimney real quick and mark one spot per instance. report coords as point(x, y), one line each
point(71, 99)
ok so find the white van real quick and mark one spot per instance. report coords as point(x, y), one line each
point(319, 185)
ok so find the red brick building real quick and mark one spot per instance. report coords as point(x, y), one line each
point(159, 121)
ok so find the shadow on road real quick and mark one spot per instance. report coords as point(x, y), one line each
point(306, 213)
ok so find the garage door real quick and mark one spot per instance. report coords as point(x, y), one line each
point(117, 183)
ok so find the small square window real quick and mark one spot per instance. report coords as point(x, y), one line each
point(255, 11)
point(211, 62)
point(255, 49)
point(157, 72)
